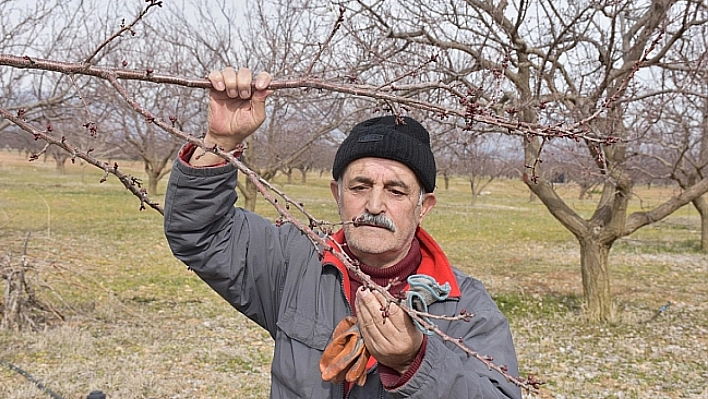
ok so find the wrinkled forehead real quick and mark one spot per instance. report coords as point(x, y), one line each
point(381, 170)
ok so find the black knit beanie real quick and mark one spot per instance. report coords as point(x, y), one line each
point(407, 142)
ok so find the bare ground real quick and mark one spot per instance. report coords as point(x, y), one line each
point(141, 343)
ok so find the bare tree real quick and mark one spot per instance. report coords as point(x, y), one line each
point(138, 140)
point(481, 158)
point(532, 70)
point(540, 62)
point(280, 37)
point(677, 144)
point(22, 29)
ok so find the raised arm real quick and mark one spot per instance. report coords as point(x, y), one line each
point(237, 253)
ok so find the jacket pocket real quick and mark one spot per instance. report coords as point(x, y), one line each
point(305, 328)
point(299, 343)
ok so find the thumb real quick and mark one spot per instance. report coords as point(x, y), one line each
point(258, 101)
point(260, 94)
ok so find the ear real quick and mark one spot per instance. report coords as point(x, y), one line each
point(335, 190)
point(429, 201)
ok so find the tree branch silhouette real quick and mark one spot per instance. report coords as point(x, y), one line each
point(455, 103)
point(471, 111)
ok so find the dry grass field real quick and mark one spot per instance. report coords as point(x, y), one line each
point(139, 325)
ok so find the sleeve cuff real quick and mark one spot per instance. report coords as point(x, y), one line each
point(390, 377)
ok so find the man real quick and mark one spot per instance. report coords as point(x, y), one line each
point(384, 178)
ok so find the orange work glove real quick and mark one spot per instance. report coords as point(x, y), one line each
point(345, 357)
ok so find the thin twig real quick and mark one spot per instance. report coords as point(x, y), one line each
point(324, 45)
point(123, 28)
point(128, 181)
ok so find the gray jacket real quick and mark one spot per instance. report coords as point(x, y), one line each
point(274, 276)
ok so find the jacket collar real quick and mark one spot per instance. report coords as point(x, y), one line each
point(434, 263)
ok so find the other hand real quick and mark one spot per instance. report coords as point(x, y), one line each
point(392, 340)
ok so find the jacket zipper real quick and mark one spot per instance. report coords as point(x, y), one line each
point(349, 307)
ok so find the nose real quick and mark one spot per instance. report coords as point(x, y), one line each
point(375, 203)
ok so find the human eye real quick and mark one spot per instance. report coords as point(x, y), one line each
point(398, 193)
point(358, 188)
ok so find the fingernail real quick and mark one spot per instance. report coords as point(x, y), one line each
point(245, 94)
point(363, 292)
point(220, 86)
point(233, 93)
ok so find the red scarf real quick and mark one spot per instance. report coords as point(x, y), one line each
point(432, 262)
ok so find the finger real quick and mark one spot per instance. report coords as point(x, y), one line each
point(367, 303)
point(395, 312)
point(230, 82)
point(395, 319)
point(368, 296)
point(244, 79)
point(378, 326)
point(380, 335)
point(263, 80)
point(217, 80)
point(369, 313)
point(261, 84)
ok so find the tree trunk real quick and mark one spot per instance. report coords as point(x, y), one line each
point(303, 180)
point(250, 194)
point(446, 177)
point(704, 232)
point(245, 186)
point(596, 279)
point(153, 178)
point(474, 192)
point(701, 205)
point(152, 184)
point(61, 165)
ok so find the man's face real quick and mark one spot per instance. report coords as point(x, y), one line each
point(387, 189)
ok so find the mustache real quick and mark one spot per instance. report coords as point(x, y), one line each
point(380, 220)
